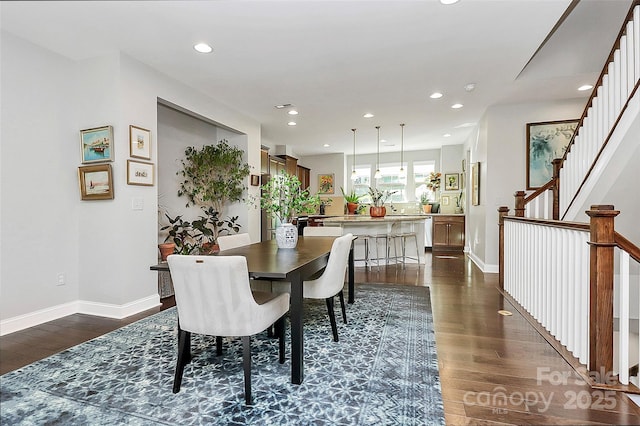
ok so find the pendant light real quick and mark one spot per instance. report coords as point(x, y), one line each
point(378, 175)
point(403, 172)
point(354, 175)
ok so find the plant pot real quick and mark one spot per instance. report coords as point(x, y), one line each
point(377, 211)
point(352, 207)
point(426, 208)
point(165, 250)
point(286, 236)
point(209, 248)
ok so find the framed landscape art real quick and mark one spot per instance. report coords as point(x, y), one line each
point(96, 145)
point(96, 182)
point(139, 142)
point(546, 141)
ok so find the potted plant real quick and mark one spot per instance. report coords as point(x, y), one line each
point(284, 198)
point(181, 233)
point(459, 208)
point(378, 198)
point(212, 177)
point(426, 202)
point(352, 200)
point(433, 182)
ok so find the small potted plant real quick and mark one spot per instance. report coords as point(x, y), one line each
point(378, 198)
point(459, 203)
point(426, 202)
point(284, 198)
point(352, 199)
point(433, 182)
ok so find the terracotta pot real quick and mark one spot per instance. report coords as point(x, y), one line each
point(352, 207)
point(377, 211)
point(165, 250)
point(426, 208)
point(209, 248)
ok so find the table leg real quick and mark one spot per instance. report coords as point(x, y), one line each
point(297, 332)
point(351, 275)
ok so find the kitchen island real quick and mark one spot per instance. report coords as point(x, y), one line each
point(379, 239)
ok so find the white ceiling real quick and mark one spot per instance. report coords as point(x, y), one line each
point(336, 60)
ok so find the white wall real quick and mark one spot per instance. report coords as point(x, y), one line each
point(104, 247)
point(500, 147)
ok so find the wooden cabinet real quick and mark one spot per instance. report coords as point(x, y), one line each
point(448, 233)
point(304, 176)
point(290, 164)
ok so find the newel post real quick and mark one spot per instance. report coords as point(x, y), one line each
point(557, 165)
point(502, 212)
point(601, 271)
point(519, 203)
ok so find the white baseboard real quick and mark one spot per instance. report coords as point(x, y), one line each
point(32, 319)
point(487, 269)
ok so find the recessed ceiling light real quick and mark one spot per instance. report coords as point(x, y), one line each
point(436, 95)
point(368, 115)
point(448, 1)
point(203, 48)
point(585, 87)
point(326, 145)
point(291, 123)
point(446, 135)
point(293, 112)
point(456, 106)
point(469, 87)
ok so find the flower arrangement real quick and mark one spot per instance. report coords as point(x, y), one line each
point(378, 197)
point(433, 181)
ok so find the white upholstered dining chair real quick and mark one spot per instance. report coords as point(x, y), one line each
point(331, 282)
point(213, 297)
point(227, 242)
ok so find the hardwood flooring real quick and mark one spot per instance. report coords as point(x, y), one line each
point(494, 369)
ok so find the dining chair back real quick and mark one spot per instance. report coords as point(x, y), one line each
point(331, 282)
point(322, 231)
point(227, 242)
point(213, 297)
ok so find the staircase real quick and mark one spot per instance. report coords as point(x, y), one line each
point(577, 282)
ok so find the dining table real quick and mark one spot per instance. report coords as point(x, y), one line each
point(295, 265)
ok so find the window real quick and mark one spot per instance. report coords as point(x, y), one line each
point(362, 182)
point(421, 172)
point(391, 180)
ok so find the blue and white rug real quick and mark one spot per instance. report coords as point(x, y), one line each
point(383, 371)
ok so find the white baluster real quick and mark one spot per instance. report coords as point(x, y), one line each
point(612, 94)
point(571, 292)
point(631, 75)
point(636, 43)
point(623, 352)
point(583, 301)
point(616, 82)
point(624, 95)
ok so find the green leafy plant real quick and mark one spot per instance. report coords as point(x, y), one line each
point(433, 181)
point(351, 197)
point(378, 197)
point(213, 177)
point(424, 199)
point(283, 197)
point(182, 233)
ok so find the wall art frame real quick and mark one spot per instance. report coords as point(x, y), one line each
point(139, 142)
point(139, 173)
point(451, 181)
point(475, 184)
point(326, 183)
point(96, 182)
point(546, 141)
point(255, 180)
point(96, 144)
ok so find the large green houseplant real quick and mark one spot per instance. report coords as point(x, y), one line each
point(283, 197)
point(212, 177)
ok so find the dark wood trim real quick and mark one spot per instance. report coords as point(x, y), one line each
point(502, 212)
point(628, 246)
point(519, 204)
point(538, 191)
point(551, 222)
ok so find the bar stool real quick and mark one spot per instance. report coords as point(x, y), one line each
point(403, 236)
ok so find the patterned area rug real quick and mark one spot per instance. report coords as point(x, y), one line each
point(383, 371)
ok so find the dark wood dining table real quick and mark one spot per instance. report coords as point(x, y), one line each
point(266, 261)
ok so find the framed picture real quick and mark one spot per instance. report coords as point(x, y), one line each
point(139, 173)
point(255, 180)
point(139, 142)
point(326, 184)
point(463, 180)
point(545, 142)
point(445, 200)
point(475, 184)
point(451, 181)
point(96, 182)
point(96, 145)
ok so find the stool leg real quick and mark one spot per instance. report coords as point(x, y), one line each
point(415, 237)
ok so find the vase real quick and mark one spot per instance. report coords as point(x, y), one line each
point(352, 207)
point(377, 211)
point(165, 250)
point(286, 235)
point(426, 208)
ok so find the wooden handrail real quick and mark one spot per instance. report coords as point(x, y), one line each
point(628, 246)
point(550, 222)
point(547, 186)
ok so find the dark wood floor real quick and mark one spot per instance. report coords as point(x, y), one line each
point(494, 369)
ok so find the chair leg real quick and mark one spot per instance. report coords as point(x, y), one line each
point(332, 318)
point(218, 345)
point(246, 363)
point(184, 356)
point(344, 312)
point(280, 325)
